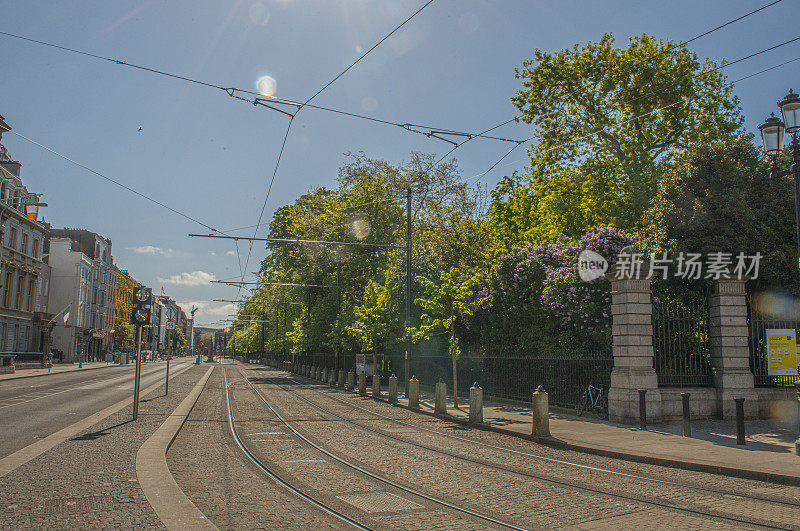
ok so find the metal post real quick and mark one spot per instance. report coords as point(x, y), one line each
point(166, 380)
point(795, 170)
point(642, 409)
point(408, 291)
point(739, 420)
point(687, 427)
point(797, 386)
point(339, 298)
point(138, 372)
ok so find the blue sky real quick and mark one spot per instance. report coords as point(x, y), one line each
point(212, 157)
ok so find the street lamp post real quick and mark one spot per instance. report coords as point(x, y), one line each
point(772, 135)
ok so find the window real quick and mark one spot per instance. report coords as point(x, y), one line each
point(12, 241)
point(29, 302)
point(7, 289)
point(18, 296)
point(24, 249)
point(35, 249)
point(94, 296)
point(3, 190)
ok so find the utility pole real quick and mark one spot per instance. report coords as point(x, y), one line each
point(408, 289)
point(339, 303)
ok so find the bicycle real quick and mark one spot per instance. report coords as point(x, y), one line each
point(595, 399)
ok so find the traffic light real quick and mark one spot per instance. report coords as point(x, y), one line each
point(142, 297)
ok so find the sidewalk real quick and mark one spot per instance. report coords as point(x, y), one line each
point(767, 455)
point(56, 369)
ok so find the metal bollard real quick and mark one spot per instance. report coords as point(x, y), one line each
point(739, 420)
point(475, 403)
point(351, 381)
point(341, 378)
point(413, 393)
point(362, 384)
point(687, 426)
point(440, 403)
point(642, 409)
point(376, 386)
point(393, 389)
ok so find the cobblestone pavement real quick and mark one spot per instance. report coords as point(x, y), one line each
point(513, 495)
point(89, 481)
point(223, 484)
point(370, 502)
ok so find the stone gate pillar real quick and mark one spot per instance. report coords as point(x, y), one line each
point(632, 330)
point(730, 352)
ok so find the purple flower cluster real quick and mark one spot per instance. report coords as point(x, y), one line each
point(546, 277)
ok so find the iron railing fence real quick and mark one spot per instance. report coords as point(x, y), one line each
point(757, 325)
point(563, 375)
point(680, 337)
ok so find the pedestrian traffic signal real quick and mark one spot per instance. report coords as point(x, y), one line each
point(142, 297)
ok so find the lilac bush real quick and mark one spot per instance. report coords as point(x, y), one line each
point(539, 286)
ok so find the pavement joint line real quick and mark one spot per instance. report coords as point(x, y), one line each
point(170, 503)
point(13, 461)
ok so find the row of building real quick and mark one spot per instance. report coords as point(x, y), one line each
point(61, 294)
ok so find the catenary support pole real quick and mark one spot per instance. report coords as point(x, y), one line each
point(408, 291)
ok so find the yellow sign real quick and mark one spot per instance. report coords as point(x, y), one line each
point(781, 352)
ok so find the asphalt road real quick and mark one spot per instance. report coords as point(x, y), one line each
point(33, 408)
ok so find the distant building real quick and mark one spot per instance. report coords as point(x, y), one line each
point(81, 261)
point(24, 326)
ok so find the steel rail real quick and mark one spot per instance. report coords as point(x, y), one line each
point(568, 463)
point(376, 476)
point(659, 502)
point(273, 476)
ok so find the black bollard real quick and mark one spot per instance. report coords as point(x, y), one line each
point(687, 426)
point(642, 409)
point(739, 420)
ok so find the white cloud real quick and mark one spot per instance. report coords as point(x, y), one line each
point(213, 253)
point(151, 249)
point(208, 312)
point(230, 253)
point(195, 278)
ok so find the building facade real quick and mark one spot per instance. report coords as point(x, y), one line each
point(81, 262)
point(22, 236)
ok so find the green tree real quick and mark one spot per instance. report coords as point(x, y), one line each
point(444, 303)
point(376, 319)
point(207, 340)
point(607, 122)
point(721, 198)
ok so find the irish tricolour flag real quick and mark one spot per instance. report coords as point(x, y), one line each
point(65, 315)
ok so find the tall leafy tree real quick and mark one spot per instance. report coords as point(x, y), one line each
point(607, 121)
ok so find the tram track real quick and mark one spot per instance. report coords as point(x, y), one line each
point(629, 475)
point(361, 470)
point(648, 500)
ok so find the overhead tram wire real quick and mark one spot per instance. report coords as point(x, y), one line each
point(292, 116)
point(658, 54)
point(114, 181)
point(497, 162)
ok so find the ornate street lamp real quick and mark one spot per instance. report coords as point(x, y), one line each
point(772, 136)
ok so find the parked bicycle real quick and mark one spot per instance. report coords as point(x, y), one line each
point(594, 399)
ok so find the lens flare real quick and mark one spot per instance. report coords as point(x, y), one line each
point(369, 103)
point(259, 13)
point(266, 86)
point(360, 228)
point(359, 49)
